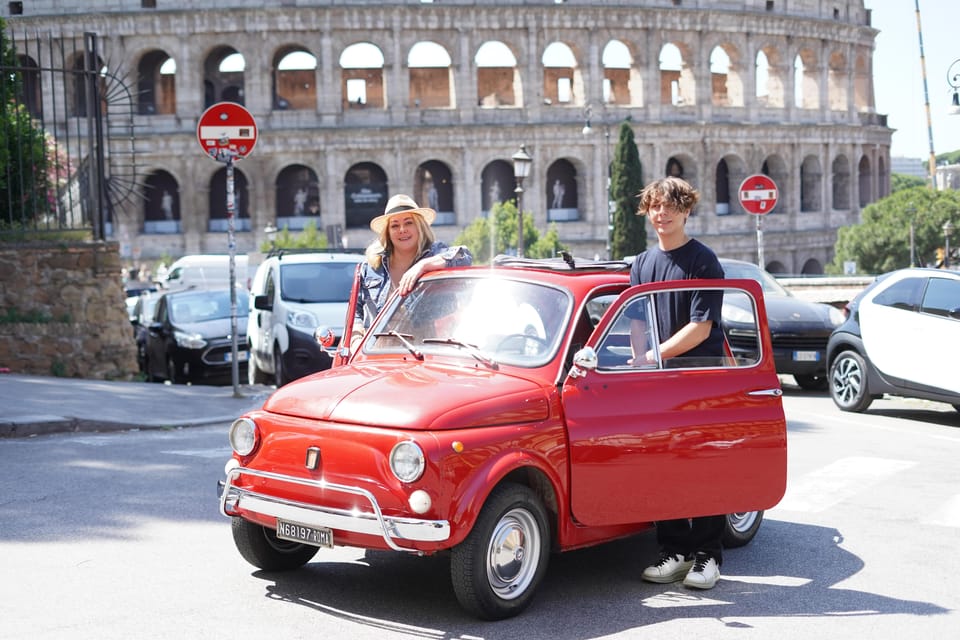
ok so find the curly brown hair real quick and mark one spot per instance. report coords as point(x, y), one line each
point(675, 192)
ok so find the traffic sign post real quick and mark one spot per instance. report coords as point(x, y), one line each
point(758, 195)
point(227, 132)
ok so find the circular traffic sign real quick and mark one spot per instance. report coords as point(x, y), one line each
point(227, 129)
point(758, 194)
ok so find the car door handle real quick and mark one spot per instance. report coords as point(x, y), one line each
point(766, 392)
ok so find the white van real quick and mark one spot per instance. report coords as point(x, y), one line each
point(294, 293)
point(205, 271)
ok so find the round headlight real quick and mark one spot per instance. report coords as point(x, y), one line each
point(406, 461)
point(243, 436)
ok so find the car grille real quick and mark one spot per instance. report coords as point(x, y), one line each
point(219, 353)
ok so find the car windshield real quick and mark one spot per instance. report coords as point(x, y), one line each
point(317, 281)
point(492, 320)
point(204, 306)
point(746, 271)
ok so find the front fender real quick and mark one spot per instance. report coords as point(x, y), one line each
point(544, 453)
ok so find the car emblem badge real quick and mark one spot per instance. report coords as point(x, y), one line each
point(313, 458)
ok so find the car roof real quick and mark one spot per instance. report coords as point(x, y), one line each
point(303, 256)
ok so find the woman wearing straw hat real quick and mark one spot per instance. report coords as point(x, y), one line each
point(404, 250)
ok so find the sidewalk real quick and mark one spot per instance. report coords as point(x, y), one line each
point(34, 405)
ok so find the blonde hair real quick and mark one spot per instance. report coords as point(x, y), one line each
point(670, 190)
point(382, 244)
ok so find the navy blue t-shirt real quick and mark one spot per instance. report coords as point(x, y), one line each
point(676, 309)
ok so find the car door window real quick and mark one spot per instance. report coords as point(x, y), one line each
point(942, 298)
point(902, 295)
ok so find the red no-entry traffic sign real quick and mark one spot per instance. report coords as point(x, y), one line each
point(758, 194)
point(227, 128)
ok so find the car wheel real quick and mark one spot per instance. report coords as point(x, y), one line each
point(262, 548)
point(741, 528)
point(496, 569)
point(279, 375)
point(848, 382)
point(255, 375)
point(811, 382)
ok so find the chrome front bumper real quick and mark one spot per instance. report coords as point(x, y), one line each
point(374, 523)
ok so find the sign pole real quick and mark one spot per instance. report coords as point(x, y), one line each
point(760, 260)
point(758, 195)
point(226, 132)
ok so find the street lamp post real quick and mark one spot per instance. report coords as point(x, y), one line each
point(913, 251)
point(953, 79)
point(947, 232)
point(521, 169)
point(587, 130)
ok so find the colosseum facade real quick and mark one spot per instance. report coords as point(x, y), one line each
point(355, 100)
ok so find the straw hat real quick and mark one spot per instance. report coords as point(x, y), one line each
point(401, 203)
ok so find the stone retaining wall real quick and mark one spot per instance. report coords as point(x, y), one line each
point(62, 312)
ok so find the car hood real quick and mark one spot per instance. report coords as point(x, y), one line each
point(219, 328)
point(785, 312)
point(421, 396)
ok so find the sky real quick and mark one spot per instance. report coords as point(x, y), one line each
point(898, 74)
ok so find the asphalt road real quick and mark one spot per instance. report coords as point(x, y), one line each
point(117, 535)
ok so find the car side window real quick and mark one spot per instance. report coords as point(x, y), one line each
point(942, 298)
point(614, 351)
point(902, 295)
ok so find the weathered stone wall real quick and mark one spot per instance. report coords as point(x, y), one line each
point(62, 312)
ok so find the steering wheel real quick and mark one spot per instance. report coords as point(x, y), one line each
point(540, 342)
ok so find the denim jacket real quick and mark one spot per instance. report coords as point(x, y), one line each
point(375, 283)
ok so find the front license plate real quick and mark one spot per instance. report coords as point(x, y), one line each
point(241, 356)
point(318, 536)
point(806, 356)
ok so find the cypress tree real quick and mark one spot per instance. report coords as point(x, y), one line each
point(629, 235)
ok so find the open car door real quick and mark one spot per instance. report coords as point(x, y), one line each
point(672, 439)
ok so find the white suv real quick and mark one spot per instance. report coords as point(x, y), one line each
point(293, 293)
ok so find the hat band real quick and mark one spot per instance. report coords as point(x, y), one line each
point(400, 208)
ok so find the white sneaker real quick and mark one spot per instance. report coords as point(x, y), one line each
point(670, 568)
point(704, 573)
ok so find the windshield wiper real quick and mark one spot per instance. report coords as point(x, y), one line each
point(405, 339)
point(473, 349)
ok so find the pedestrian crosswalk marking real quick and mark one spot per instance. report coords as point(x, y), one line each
point(838, 481)
point(947, 516)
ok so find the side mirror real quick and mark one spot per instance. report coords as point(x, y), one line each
point(324, 336)
point(584, 360)
point(262, 302)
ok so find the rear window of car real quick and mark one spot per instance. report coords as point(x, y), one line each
point(904, 295)
point(942, 298)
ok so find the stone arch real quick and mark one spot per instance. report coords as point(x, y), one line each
point(218, 221)
point(223, 76)
point(864, 182)
point(678, 85)
point(161, 203)
point(621, 81)
point(156, 83)
point(563, 203)
point(562, 80)
point(30, 89)
point(496, 184)
point(811, 177)
point(499, 82)
point(431, 76)
point(840, 179)
point(729, 172)
point(433, 187)
point(775, 266)
point(769, 81)
point(812, 267)
point(365, 191)
point(294, 75)
point(726, 76)
point(837, 78)
point(297, 197)
point(806, 84)
point(361, 77)
point(883, 188)
point(77, 85)
point(775, 167)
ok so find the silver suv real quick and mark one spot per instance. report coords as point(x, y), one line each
point(293, 293)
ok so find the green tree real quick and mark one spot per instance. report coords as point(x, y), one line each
point(477, 235)
point(881, 242)
point(626, 181)
point(309, 238)
point(24, 184)
point(900, 181)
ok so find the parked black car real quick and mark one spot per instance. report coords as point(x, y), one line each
point(190, 340)
point(799, 328)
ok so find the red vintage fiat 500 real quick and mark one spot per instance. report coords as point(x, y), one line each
point(493, 412)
